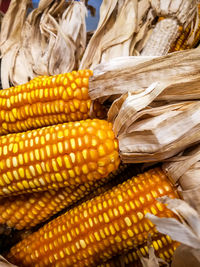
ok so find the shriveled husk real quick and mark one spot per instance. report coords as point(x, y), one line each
point(184, 171)
point(47, 42)
point(118, 30)
point(185, 231)
point(179, 71)
point(155, 122)
point(129, 27)
point(5, 263)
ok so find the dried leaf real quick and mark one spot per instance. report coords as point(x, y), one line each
point(108, 42)
point(5, 263)
point(184, 257)
point(12, 24)
point(184, 170)
point(130, 74)
point(186, 231)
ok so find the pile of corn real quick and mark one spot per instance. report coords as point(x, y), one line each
point(44, 169)
point(58, 151)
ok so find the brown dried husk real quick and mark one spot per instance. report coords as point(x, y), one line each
point(47, 42)
point(155, 122)
point(186, 230)
point(130, 27)
point(184, 171)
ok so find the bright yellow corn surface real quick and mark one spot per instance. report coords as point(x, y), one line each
point(46, 101)
point(27, 210)
point(99, 228)
point(61, 155)
point(163, 245)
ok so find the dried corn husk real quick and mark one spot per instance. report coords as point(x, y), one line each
point(156, 122)
point(184, 170)
point(151, 260)
point(5, 263)
point(179, 71)
point(140, 33)
point(108, 41)
point(185, 231)
point(175, 13)
point(49, 40)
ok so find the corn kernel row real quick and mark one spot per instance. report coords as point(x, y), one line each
point(99, 228)
point(46, 101)
point(57, 156)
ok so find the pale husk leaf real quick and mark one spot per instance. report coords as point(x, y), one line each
point(108, 41)
point(151, 260)
point(70, 41)
point(184, 170)
point(12, 24)
point(148, 132)
point(186, 231)
point(5, 263)
point(130, 74)
point(184, 256)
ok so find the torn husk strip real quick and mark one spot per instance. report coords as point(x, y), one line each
point(135, 74)
point(184, 170)
point(149, 132)
point(52, 40)
point(133, 18)
point(5, 263)
point(185, 231)
point(12, 24)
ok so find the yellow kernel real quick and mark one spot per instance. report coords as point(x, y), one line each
point(130, 232)
point(82, 243)
point(60, 147)
point(39, 169)
point(5, 177)
point(118, 239)
point(32, 170)
point(67, 162)
point(127, 221)
point(155, 245)
point(112, 230)
point(101, 150)
point(121, 210)
point(106, 218)
point(96, 235)
point(120, 198)
point(48, 150)
point(25, 184)
point(20, 186)
point(15, 148)
point(90, 222)
point(21, 172)
point(69, 238)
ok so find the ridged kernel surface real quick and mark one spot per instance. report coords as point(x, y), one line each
point(99, 228)
point(46, 100)
point(57, 156)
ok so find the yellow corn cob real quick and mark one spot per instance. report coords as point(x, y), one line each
point(57, 156)
point(25, 211)
point(163, 245)
point(99, 228)
point(181, 42)
point(46, 101)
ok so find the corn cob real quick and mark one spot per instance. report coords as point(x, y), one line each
point(181, 42)
point(162, 37)
point(26, 211)
point(57, 156)
point(99, 228)
point(163, 245)
point(46, 101)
